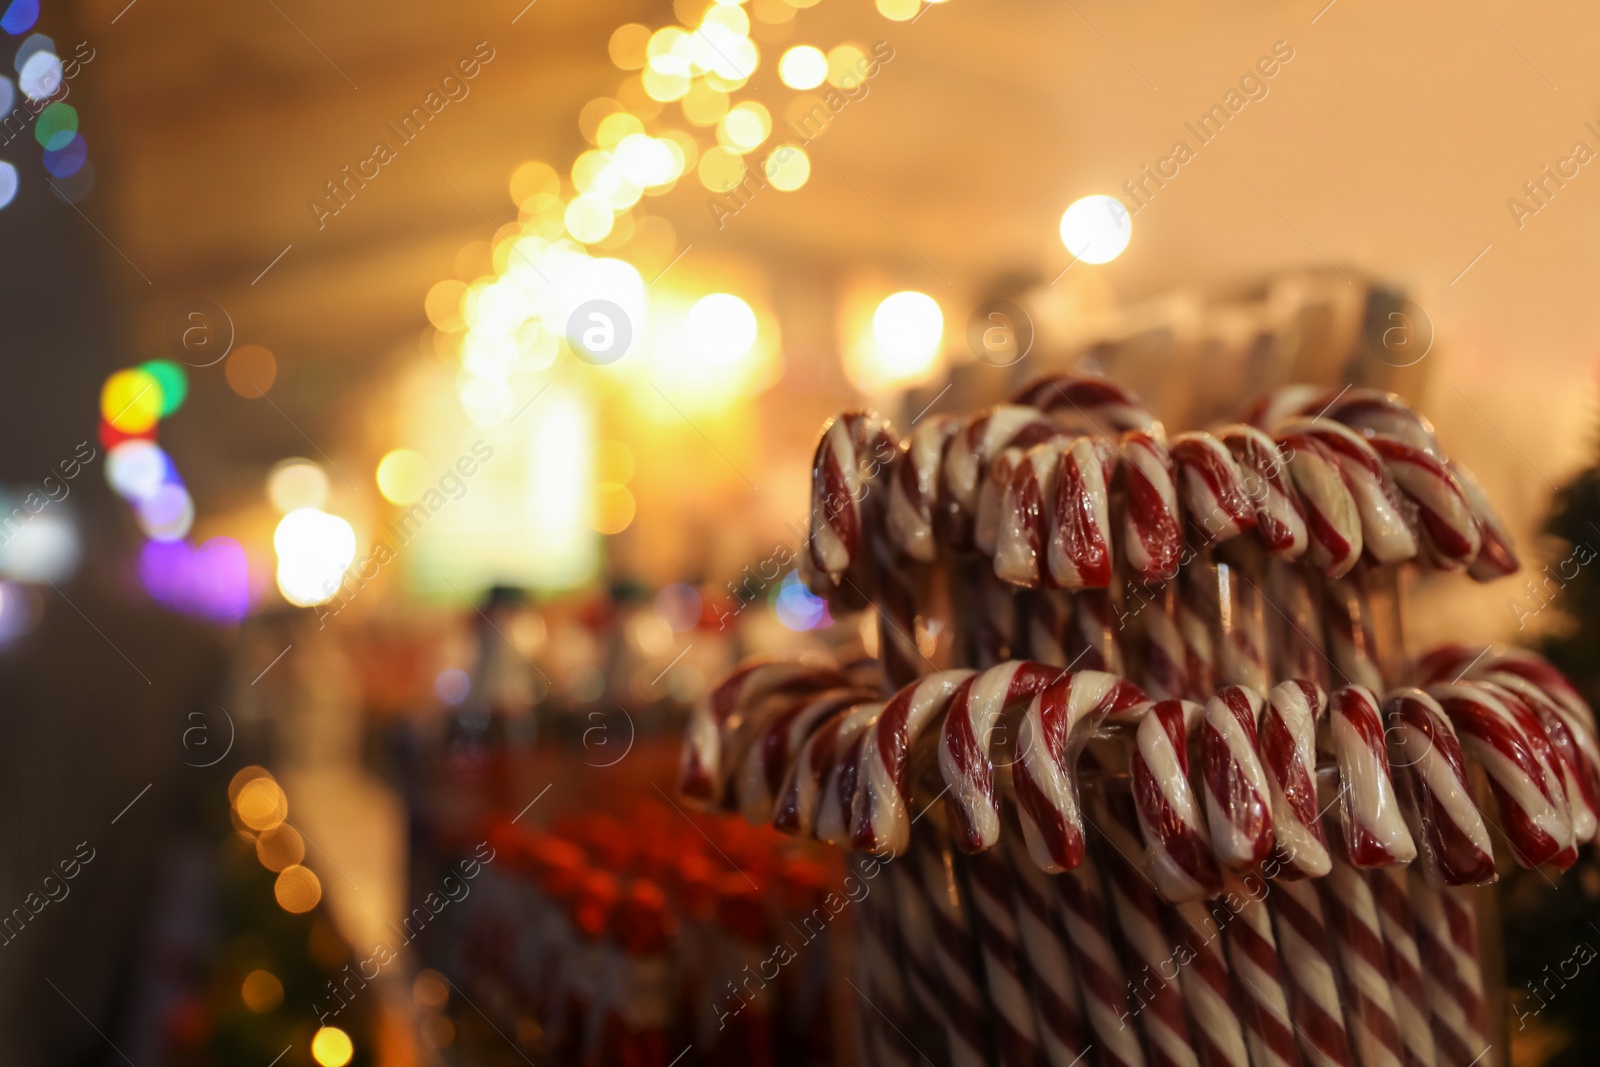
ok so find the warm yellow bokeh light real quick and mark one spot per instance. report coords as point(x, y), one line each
point(899, 10)
point(429, 989)
point(401, 477)
point(628, 44)
point(847, 65)
point(261, 991)
point(531, 179)
point(745, 127)
point(663, 86)
point(261, 804)
point(613, 462)
point(296, 483)
point(788, 167)
point(243, 777)
point(314, 550)
point(614, 508)
point(131, 400)
point(589, 218)
point(703, 105)
point(443, 303)
point(297, 889)
point(803, 67)
point(593, 113)
point(647, 161)
point(720, 170)
point(613, 128)
point(280, 847)
point(722, 328)
point(1096, 228)
point(331, 1047)
point(908, 326)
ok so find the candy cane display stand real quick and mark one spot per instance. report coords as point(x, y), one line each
point(1168, 789)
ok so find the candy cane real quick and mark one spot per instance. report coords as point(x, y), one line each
point(1572, 742)
point(1016, 1029)
point(1253, 954)
point(1091, 633)
point(1351, 639)
point(1214, 491)
point(1178, 854)
point(1507, 741)
point(1088, 404)
point(1207, 986)
point(1140, 913)
point(766, 762)
point(1288, 747)
point(964, 743)
point(1385, 532)
point(1496, 557)
point(1333, 522)
point(1369, 1001)
point(1152, 537)
point(1374, 828)
point(1054, 729)
point(1238, 801)
point(1078, 550)
point(1057, 1002)
point(1306, 948)
point(836, 797)
point(917, 938)
point(964, 1009)
point(853, 453)
point(1100, 974)
point(973, 446)
point(796, 809)
point(1242, 646)
point(1391, 891)
point(1436, 794)
point(1280, 519)
point(914, 489)
point(720, 712)
point(1296, 646)
point(881, 818)
point(1451, 978)
point(1450, 529)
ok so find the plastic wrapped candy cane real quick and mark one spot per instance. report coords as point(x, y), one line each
point(1375, 832)
point(1004, 965)
point(1333, 523)
point(1238, 803)
point(1307, 948)
point(1100, 975)
point(1058, 1005)
point(974, 445)
point(766, 762)
point(1386, 533)
point(1288, 748)
point(853, 455)
point(1179, 859)
point(914, 488)
point(1369, 1008)
point(1425, 753)
point(881, 818)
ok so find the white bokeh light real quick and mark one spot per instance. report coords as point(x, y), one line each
point(1097, 228)
point(722, 328)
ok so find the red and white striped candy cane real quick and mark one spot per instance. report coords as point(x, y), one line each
point(1285, 402)
point(1215, 499)
point(1369, 1000)
point(1542, 673)
point(1307, 949)
point(1497, 557)
point(837, 793)
point(1207, 985)
point(881, 819)
point(1140, 913)
point(1163, 652)
point(1280, 520)
point(1005, 968)
point(923, 980)
point(1452, 978)
point(795, 811)
point(1352, 641)
point(1391, 891)
point(1572, 742)
point(700, 766)
point(964, 1009)
point(1425, 754)
point(914, 489)
point(1373, 412)
point(1057, 1002)
point(1506, 739)
point(1253, 954)
point(1092, 632)
point(1178, 853)
point(1449, 528)
point(1198, 612)
point(882, 983)
point(854, 453)
point(1100, 975)
point(972, 448)
point(1054, 729)
point(1088, 404)
point(1078, 550)
point(1238, 800)
point(964, 758)
point(1046, 615)
point(1152, 534)
point(1333, 522)
point(1385, 531)
point(895, 595)
point(994, 495)
point(1015, 527)
point(766, 762)
point(1374, 828)
point(1287, 742)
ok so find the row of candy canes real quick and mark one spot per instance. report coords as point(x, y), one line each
point(1148, 510)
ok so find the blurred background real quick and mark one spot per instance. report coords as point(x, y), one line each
point(382, 379)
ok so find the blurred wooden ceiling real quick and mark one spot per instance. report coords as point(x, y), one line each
point(1390, 142)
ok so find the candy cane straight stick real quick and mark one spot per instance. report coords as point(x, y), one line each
point(1451, 976)
point(965, 1008)
point(1307, 951)
point(1100, 974)
point(1057, 1002)
point(1370, 1010)
point(1391, 890)
point(1006, 969)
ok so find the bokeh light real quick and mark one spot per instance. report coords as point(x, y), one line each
point(69, 159)
point(720, 169)
point(173, 380)
point(722, 328)
point(899, 10)
point(803, 67)
point(589, 218)
point(628, 44)
point(20, 16)
point(44, 549)
point(796, 608)
point(8, 183)
point(401, 476)
point(452, 685)
point(847, 64)
point(131, 400)
point(297, 483)
point(211, 582)
point(297, 891)
point(39, 77)
point(167, 514)
point(744, 127)
point(251, 370)
point(261, 803)
point(314, 550)
point(1096, 228)
point(280, 847)
point(137, 468)
point(908, 327)
point(261, 991)
point(788, 167)
point(679, 605)
point(331, 1047)
point(613, 462)
point(614, 508)
point(55, 125)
